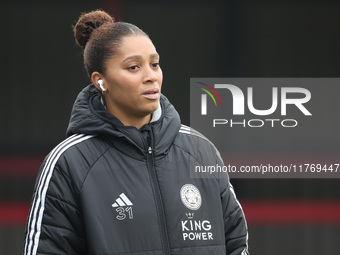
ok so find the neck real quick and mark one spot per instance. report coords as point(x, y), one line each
point(138, 122)
point(128, 120)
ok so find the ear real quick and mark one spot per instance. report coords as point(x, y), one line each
point(95, 77)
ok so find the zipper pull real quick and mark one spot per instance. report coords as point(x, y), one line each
point(150, 150)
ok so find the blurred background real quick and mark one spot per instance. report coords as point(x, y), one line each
point(42, 73)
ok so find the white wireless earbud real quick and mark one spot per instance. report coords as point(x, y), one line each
point(100, 82)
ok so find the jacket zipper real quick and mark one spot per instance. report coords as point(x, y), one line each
point(158, 198)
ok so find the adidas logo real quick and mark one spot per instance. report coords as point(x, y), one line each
point(122, 200)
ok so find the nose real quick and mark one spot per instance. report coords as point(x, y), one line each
point(150, 75)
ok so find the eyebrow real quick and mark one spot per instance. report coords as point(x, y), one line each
point(137, 57)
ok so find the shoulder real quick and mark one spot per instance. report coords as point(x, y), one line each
point(81, 145)
point(195, 143)
point(188, 133)
point(68, 147)
point(74, 157)
point(191, 133)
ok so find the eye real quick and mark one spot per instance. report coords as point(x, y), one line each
point(133, 68)
point(155, 64)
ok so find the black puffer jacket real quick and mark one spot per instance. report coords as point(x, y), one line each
point(112, 189)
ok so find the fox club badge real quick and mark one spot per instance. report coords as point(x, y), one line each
point(191, 196)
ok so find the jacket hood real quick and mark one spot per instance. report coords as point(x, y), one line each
point(90, 117)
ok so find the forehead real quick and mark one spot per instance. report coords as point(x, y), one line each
point(136, 45)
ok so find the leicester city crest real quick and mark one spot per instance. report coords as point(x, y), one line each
point(191, 197)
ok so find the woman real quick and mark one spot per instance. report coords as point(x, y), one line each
point(120, 183)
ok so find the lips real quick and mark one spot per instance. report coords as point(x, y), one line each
point(152, 93)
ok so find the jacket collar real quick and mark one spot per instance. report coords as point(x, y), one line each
point(89, 116)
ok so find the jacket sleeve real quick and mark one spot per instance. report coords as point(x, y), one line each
point(236, 232)
point(54, 223)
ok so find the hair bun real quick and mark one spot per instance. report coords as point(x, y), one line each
point(87, 23)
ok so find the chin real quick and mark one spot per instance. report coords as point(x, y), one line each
point(154, 106)
point(149, 111)
point(149, 107)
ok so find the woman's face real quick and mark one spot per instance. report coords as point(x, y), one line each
point(133, 80)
